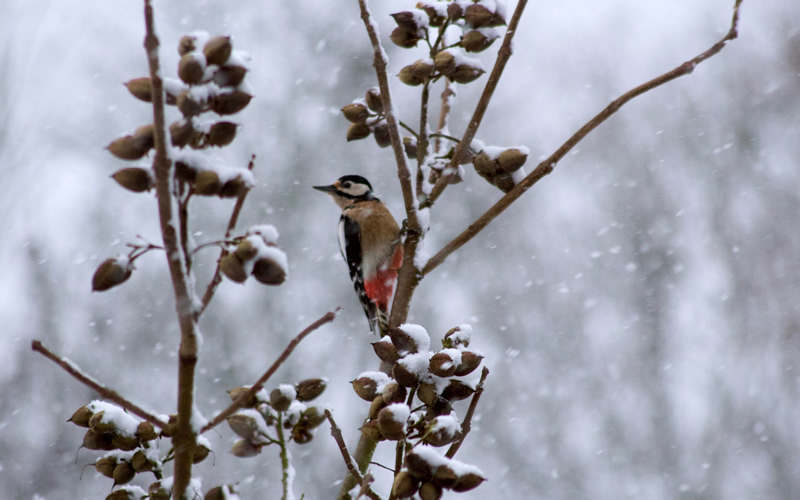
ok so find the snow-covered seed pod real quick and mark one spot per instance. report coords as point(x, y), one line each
point(311, 418)
point(478, 16)
point(141, 88)
point(146, 432)
point(94, 440)
point(373, 99)
point(458, 335)
point(404, 38)
point(141, 463)
point(233, 188)
point(244, 448)
point(207, 183)
point(417, 466)
point(221, 134)
point(355, 112)
point(105, 466)
point(442, 364)
point(134, 179)
point(228, 103)
point(218, 50)
point(455, 11)
point(457, 390)
point(467, 481)
point(392, 421)
point(281, 397)
point(301, 435)
point(410, 146)
point(123, 473)
point(243, 426)
point(405, 342)
point(466, 73)
point(109, 274)
point(371, 431)
point(430, 491)
point(434, 18)
point(386, 351)
point(406, 20)
point(269, 272)
point(191, 68)
point(445, 476)
point(181, 132)
point(310, 389)
point(246, 250)
point(422, 68)
point(186, 44)
point(405, 485)
point(224, 492)
point(201, 452)
point(158, 492)
point(445, 63)
point(469, 362)
point(82, 415)
point(407, 76)
point(475, 41)
point(511, 160)
point(233, 268)
point(123, 442)
point(185, 172)
point(358, 131)
point(381, 134)
point(230, 75)
point(394, 393)
point(250, 402)
point(188, 105)
point(122, 494)
point(404, 376)
point(504, 181)
point(366, 387)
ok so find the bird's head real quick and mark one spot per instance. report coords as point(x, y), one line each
point(348, 190)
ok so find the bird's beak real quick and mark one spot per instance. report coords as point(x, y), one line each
point(326, 189)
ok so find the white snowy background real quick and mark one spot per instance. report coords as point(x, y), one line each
point(639, 309)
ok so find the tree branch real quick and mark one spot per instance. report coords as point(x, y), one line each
point(547, 166)
point(103, 391)
point(503, 55)
point(348, 460)
point(466, 426)
point(230, 410)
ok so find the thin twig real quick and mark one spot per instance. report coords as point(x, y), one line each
point(230, 410)
point(503, 56)
point(547, 166)
point(217, 279)
point(348, 460)
point(103, 391)
point(444, 114)
point(467, 424)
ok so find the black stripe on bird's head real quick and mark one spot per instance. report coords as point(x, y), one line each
point(348, 189)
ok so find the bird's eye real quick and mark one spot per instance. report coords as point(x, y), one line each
point(346, 184)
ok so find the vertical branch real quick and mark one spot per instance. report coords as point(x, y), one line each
point(444, 113)
point(184, 438)
point(422, 140)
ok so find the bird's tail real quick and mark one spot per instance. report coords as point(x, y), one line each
point(382, 320)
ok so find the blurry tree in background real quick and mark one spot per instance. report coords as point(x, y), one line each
point(644, 321)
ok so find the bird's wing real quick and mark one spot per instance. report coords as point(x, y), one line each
point(350, 245)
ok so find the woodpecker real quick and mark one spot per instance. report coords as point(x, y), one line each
point(369, 239)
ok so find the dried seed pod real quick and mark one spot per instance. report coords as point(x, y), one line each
point(269, 272)
point(188, 105)
point(458, 336)
point(311, 418)
point(124, 443)
point(467, 481)
point(381, 134)
point(172, 424)
point(245, 449)
point(422, 69)
point(475, 41)
point(478, 16)
point(141, 88)
point(186, 44)
point(386, 351)
point(405, 485)
point(406, 20)
point(455, 11)
point(310, 389)
point(207, 183)
point(484, 164)
point(511, 160)
point(457, 390)
point(404, 341)
point(111, 273)
point(371, 431)
point(185, 172)
point(246, 250)
point(81, 416)
point(445, 63)
point(376, 406)
point(358, 131)
point(244, 426)
point(355, 112)
point(228, 103)
point(394, 393)
point(127, 148)
point(232, 267)
point(441, 431)
point(504, 181)
point(146, 432)
point(366, 388)
point(250, 402)
point(404, 37)
point(222, 133)
point(233, 188)
point(410, 146)
point(301, 436)
point(430, 491)
point(469, 362)
point(230, 75)
point(134, 179)
point(158, 492)
point(191, 68)
point(434, 19)
point(404, 376)
point(121, 494)
point(442, 364)
point(218, 50)
point(445, 476)
point(181, 132)
point(417, 466)
point(123, 473)
point(105, 466)
point(439, 407)
point(279, 400)
point(466, 73)
point(427, 393)
point(408, 77)
point(141, 463)
point(200, 453)
point(373, 99)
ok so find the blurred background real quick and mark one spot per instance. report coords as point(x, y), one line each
point(639, 309)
